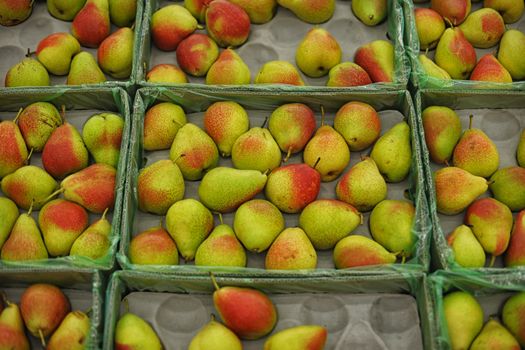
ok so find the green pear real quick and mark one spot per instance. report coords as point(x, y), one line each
point(189, 223)
point(14, 12)
point(122, 12)
point(94, 242)
point(153, 247)
point(393, 153)
point(84, 70)
point(510, 10)
point(478, 33)
point(65, 10)
point(91, 25)
point(115, 53)
point(221, 248)
point(225, 121)
point(456, 189)
point(357, 250)
point(309, 337)
point(72, 334)
point(310, 11)
point(225, 189)
point(291, 250)
point(24, 242)
point(494, 336)
point(370, 12)
point(228, 69)
point(161, 124)
point(102, 134)
point(12, 329)
point(520, 153)
point(28, 72)
point(511, 46)
point(8, 216)
point(432, 69)
point(455, 54)
point(430, 26)
point(442, 129)
point(327, 221)
point(317, 53)
point(464, 318)
point(56, 51)
point(13, 150)
point(260, 12)
point(359, 124)
point(377, 59)
point(362, 186)
point(215, 336)
point(279, 72)
point(132, 332)
point(37, 122)
point(256, 149)
point(468, 252)
point(512, 315)
point(515, 254)
point(257, 223)
point(194, 152)
point(508, 186)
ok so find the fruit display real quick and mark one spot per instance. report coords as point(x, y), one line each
point(158, 311)
point(477, 190)
point(62, 168)
point(330, 43)
point(76, 42)
point(462, 43)
point(222, 194)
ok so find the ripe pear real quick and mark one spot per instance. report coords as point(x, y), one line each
point(159, 185)
point(279, 72)
point(512, 316)
point(221, 248)
point(8, 216)
point(327, 221)
point(228, 69)
point(72, 334)
point(132, 332)
point(481, 34)
point(224, 189)
point(227, 23)
point(511, 46)
point(317, 53)
point(468, 252)
point(455, 54)
point(215, 336)
point(370, 12)
point(102, 135)
point(464, 318)
point(347, 74)
point(454, 11)
point(393, 153)
point(115, 53)
point(520, 153)
point(12, 334)
point(91, 25)
point(357, 250)
point(13, 150)
point(194, 152)
point(489, 68)
point(256, 149)
point(310, 11)
point(122, 12)
point(225, 121)
point(84, 70)
point(65, 10)
point(494, 336)
point(292, 187)
point(61, 223)
point(456, 189)
point(257, 223)
point(161, 124)
point(432, 69)
point(189, 222)
point(362, 186)
point(94, 242)
point(515, 254)
point(196, 54)
point(508, 186)
point(197, 8)
point(442, 129)
point(510, 10)
point(248, 312)
point(260, 12)
point(430, 26)
point(359, 124)
point(28, 72)
point(153, 247)
point(170, 25)
point(291, 250)
point(56, 52)
point(309, 337)
point(166, 73)
point(37, 122)
point(377, 59)
point(24, 242)
point(14, 12)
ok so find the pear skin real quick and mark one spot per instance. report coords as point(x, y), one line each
point(13, 150)
point(256, 149)
point(494, 336)
point(122, 12)
point(464, 318)
point(432, 69)
point(359, 124)
point(228, 69)
point(84, 70)
point(442, 132)
point(347, 74)
point(279, 72)
point(369, 12)
point(161, 124)
point(197, 8)
point(102, 135)
point(509, 54)
point(221, 248)
point(357, 250)
point(65, 10)
point(512, 315)
point(483, 28)
point(510, 10)
point(317, 53)
point(515, 254)
point(28, 72)
point(215, 336)
point(508, 186)
point(8, 216)
point(468, 252)
point(153, 247)
point(24, 242)
point(520, 153)
point(489, 68)
point(196, 54)
point(309, 337)
point(455, 54)
point(12, 334)
point(132, 332)
point(15, 12)
point(56, 52)
point(377, 59)
point(454, 11)
point(430, 26)
point(260, 12)
point(115, 53)
point(37, 122)
point(92, 25)
point(72, 334)
point(227, 23)
point(167, 74)
point(310, 11)
point(291, 250)
point(170, 25)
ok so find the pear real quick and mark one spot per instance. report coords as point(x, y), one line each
point(159, 185)
point(279, 72)
point(132, 332)
point(310, 337)
point(37, 122)
point(510, 10)
point(94, 242)
point(29, 186)
point(102, 135)
point(229, 69)
point(72, 334)
point(430, 26)
point(91, 25)
point(13, 150)
point(256, 149)
point(327, 221)
point(393, 153)
point(193, 151)
point(166, 73)
point(489, 68)
point(362, 186)
point(478, 33)
point(61, 223)
point(442, 129)
point(359, 124)
point(508, 186)
point(197, 8)
point(14, 12)
point(468, 252)
point(248, 312)
point(225, 121)
point(257, 223)
point(369, 12)
point(215, 336)
point(511, 46)
point(515, 254)
point(84, 70)
point(8, 216)
point(122, 12)
point(227, 23)
point(377, 59)
point(65, 10)
point(456, 189)
point(512, 315)
point(260, 12)
point(153, 247)
point(189, 223)
point(494, 336)
point(432, 69)
point(464, 318)
point(225, 189)
point(454, 11)
point(196, 54)
point(170, 25)
point(221, 248)
point(115, 53)
point(310, 11)
point(291, 250)
point(56, 52)
point(161, 124)
point(455, 54)
point(520, 153)
point(12, 329)
point(347, 74)
point(357, 250)
point(317, 53)
point(28, 72)
point(292, 187)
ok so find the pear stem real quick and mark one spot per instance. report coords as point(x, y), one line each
point(57, 192)
point(220, 218)
point(492, 260)
point(361, 219)
point(180, 156)
point(42, 339)
point(426, 52)
point(322, 115)
point(264, 123)
point(4, 298)
point(316, 162)
point(88, 311)
point(18, 115)
point(200, 26)
point(403, 259)
point(212, 317)
point(29, 156)
point(288, 154)
point(31, 207)
point(470, 121)
point(126, 304)
point(161, 223)
point(449, 22)
point(215, 285)
point(63, 113)
point(266, 172)
point(104, 214)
